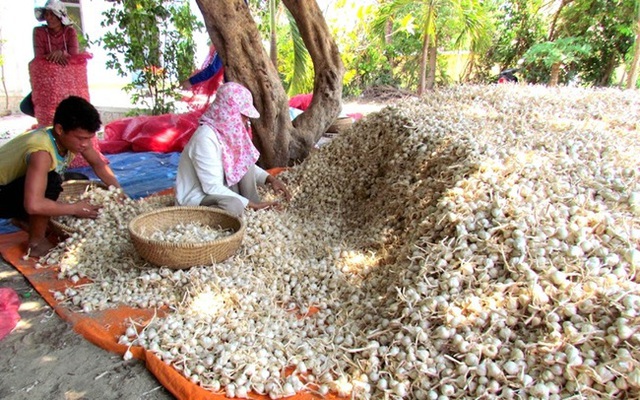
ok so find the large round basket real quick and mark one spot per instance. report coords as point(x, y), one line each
point(185, 255)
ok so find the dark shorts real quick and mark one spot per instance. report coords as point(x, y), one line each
point(12, 195)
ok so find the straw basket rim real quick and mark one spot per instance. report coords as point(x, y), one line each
point(340, 124)
point(62, 229)
point(70, 187)
point(186, 255)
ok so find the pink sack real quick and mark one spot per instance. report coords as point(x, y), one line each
point(9, 317)
point(51, 83)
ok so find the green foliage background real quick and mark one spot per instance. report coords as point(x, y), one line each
point(502, 36)
point(385, 40)
point(153, 41)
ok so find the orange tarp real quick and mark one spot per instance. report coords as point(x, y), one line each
point(103, 328)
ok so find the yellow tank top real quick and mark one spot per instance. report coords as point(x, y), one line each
point(14, 155)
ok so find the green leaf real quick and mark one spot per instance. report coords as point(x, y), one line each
point(406, 24)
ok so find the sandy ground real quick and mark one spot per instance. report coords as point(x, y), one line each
point(43, 358)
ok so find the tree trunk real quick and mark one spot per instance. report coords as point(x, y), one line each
point(606, 73)
point(633, 71)
point(426, 51)
point(554, 21)
point(328, 74)
point(273, 36)
point(235, 36)
point(469, 69)
point(388, 31)
point(433, 64)
point(422, 83)
point(388, 40)
point(555, 74)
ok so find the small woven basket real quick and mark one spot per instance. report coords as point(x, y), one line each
point(72, 190)
point(340, 125)
point(161, 200)
point(185, 255)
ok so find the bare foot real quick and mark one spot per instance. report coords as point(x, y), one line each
point(39, 248)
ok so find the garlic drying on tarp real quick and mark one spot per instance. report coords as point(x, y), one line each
point(480, 242)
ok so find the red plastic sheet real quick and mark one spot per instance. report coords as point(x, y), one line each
point(301, 101)
point(160, 133)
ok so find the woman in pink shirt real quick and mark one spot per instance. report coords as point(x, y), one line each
point(56, 41)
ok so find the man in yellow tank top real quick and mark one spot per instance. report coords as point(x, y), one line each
point(31, 165)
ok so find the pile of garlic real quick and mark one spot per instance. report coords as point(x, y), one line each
point(482, 242)
point(96, 196)
point(116, 207)
point(194, 232)
point(101, 248)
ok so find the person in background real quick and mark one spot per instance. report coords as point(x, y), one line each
point(204, 83)
point(31, 165)
point(56, 41)
point(212, 65)
point(217, 166)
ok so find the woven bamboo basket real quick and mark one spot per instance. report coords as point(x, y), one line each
point(185, 255)
point(161, 200)
point(72, 190)
point(340, 125)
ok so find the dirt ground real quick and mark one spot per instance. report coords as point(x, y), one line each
point(43, 358)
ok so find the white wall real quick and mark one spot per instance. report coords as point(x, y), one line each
point(16, 32)
point(104, 84)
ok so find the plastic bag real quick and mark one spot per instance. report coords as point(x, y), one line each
point(160, 133)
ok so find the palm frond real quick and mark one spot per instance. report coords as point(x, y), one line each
point(390, 11)
point(302, 73)
point(474, 30)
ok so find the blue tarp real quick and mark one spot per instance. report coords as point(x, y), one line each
point(140, 175)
